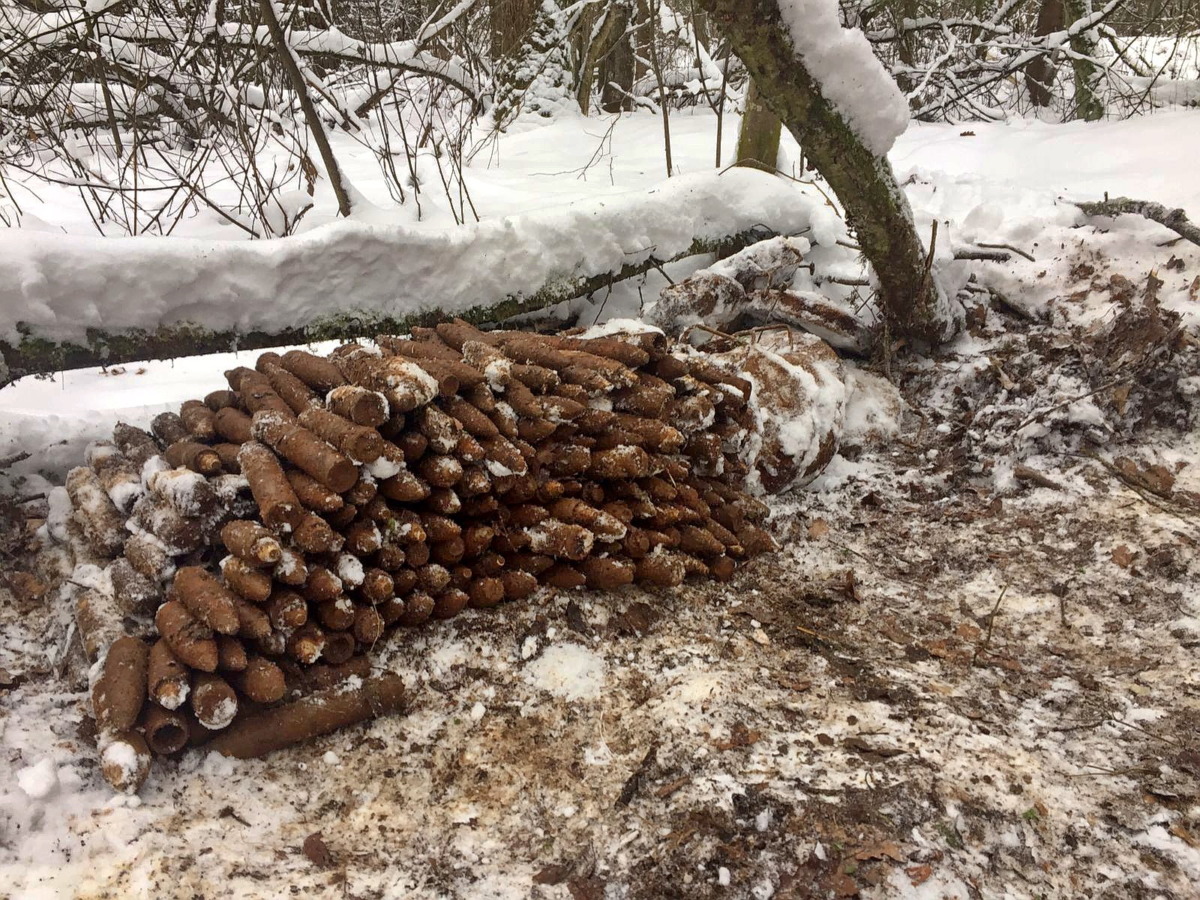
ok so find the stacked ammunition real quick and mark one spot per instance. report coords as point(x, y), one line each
point(260, 542)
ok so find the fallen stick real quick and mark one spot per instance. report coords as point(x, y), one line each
point(312, 716)
point(1174, 219)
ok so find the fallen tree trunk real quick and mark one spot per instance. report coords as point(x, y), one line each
point(1175, 219)
point(36, 355)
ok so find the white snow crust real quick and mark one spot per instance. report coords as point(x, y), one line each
point(849, 74)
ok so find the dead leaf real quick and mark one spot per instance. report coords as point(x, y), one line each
point(918, 874)
point(1184, 835)
point(1123, 556)
point(889, 849)
point(586, 888)
point(967, 631)
point(843, 885)
point(739, 736)
point(317, 851)
point(791, 682)
point(859, 745)
point(576, 621)
point(818, 529)
point(553, 874)
point(666, 790)
point(636, 620)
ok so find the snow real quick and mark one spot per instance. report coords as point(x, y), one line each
point(39, 781)
point(569, 671)
point(848, 73)
point(60, 286)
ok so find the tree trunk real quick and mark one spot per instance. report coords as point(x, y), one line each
point(1087, 105)
point(610, 32)
point(913, 307)
point(616, 72)
point(1039, 74)
point(510, 21)
point(758, 138)
point(34, 355)
point(315, 126)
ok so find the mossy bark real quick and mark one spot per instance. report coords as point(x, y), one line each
point(758, 138)
point(1087, 105)
point(35, 355)
point(913, 307)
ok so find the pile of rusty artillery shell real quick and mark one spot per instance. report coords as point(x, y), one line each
point(259, 543)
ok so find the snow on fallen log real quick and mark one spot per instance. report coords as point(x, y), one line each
point(72, 301)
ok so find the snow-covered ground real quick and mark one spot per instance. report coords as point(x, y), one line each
point(952, 682)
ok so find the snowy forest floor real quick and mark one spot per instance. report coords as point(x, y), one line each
point(958, 678)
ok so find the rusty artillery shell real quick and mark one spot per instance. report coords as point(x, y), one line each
point(277, 501)
point(662, 568)
point(295, 393)
point(355, 441)
point(563, 575)
point(317, 714)
point(102, 523)
point(120, 692)
point(448, 552)
point(404, 487)
point(198, 420)
point(208, 601)
point(213, 701)
point(339, 647)
point(518, 585)
point(560, 540)
point(124, 760)
point(390, 557)
point(439, 429)
point(392, 610)
point(486, 592)
point(313, 494)
point(133, 592)
point(286, 609)
point(306, 643)
point(368, 625)
point(193, 455)
point(418, 607)
point(606, 573)
point(433, 578)
point(231, 653)
point(253, 623)
point(314, 535)
point(246, 581)
point(167, 679)
point(359, 405)
point(450, 603)
point(292, 569)
point(261, 681)
point(364, 491)
point(317, 372)
point(377, 585)
point(306, 451)
point(318, 677)
point(166, 730)
point(252, 543)
point(227, 453)
point(168, 428)
point(190, 640)
point(336, 614)
point(219, 400)
point(233, 425)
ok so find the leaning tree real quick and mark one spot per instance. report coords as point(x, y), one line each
point(836, 99)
